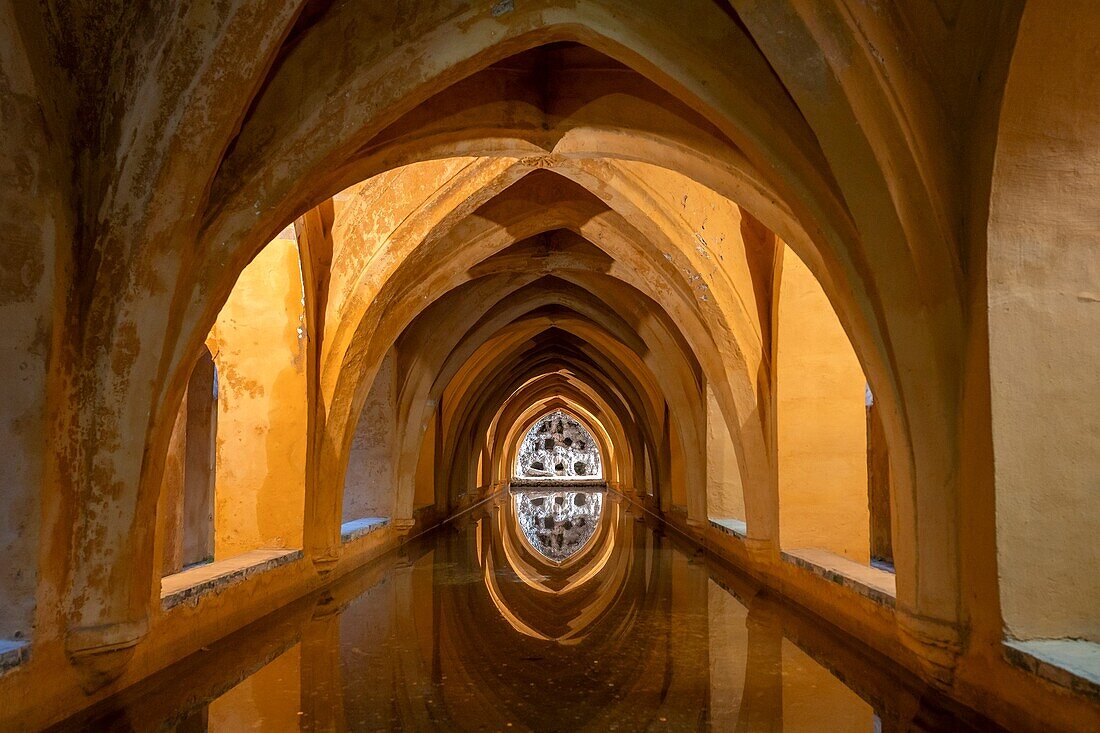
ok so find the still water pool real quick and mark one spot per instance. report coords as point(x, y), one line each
point(464, 629)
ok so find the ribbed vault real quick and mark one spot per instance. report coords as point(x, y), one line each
point(553, 173)
point(681, 222)
point(660, 280)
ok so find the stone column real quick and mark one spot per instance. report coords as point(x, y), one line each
point(322, 684)
point(199, 464)
point(170, 507)
point(762, 699)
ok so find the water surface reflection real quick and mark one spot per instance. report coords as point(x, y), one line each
point(467, 629)
point(558, 524)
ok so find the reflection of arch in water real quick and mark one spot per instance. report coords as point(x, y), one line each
point(556, 602)
point(623, 613)
point(504, 538)
point(558, 447)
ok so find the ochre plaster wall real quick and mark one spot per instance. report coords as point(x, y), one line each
point(37, 232)
point(369, 482)
point(725, 497)
point(259, 491)
point(821, 422)
point(1044, 326)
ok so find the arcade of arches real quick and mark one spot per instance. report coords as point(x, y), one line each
point(293, 288)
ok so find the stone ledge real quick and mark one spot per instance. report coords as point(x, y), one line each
point(733, 527)
point(353, 530)
point(13, 653)
point(557, 484)
point(190, 584)
point(878, 585)
point(1070, 663)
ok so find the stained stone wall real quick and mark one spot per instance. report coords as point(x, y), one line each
point(259, 494)
point(537, 217)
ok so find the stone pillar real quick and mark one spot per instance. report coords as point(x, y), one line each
point(762, 699)
point(199, 464)
point(321, 521)
point(878, 487)
point(322, 684)
point(170, 507)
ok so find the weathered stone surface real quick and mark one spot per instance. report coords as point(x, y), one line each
point(700, 228)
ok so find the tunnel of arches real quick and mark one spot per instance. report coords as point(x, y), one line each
point(435, 306)
point(460, 297)
point(329, 319)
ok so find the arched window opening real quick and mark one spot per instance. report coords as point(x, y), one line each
point(558, 448)
point(558, 485)
point(833, 494)
point(233, 487)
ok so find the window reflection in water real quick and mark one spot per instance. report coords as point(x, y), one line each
point(558, 523)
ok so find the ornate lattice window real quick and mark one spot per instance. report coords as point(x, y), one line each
point(558, 448)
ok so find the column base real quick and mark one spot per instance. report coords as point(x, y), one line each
point(763, 552)
point(936, 644)
point(324, 564)
point(100, 653)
